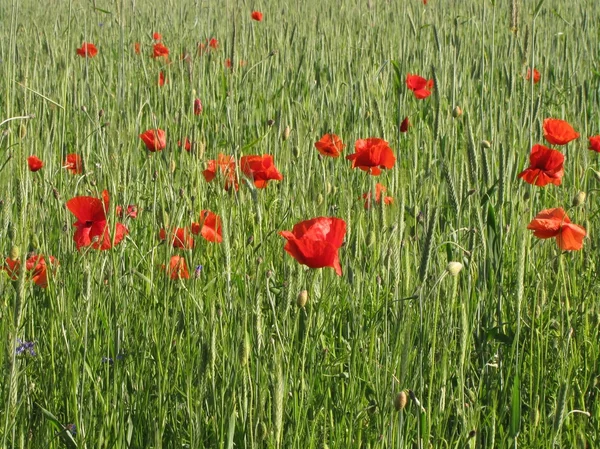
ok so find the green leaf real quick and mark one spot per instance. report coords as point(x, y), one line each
point(515, 408)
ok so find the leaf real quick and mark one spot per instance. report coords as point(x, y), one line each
point(515, 408)
point(538, 7)
point(105, 11)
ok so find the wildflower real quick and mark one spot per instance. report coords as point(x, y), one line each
point(87, 50)
point(379, 189)
point(536, 76)
point(161, 79)
point(35, 163)
point(187, 145)
point(559, 132)
point(197, 106)
point(213, 43)
point(209, 226)
point(225, 165)
point(25, 347)
point(74, 164)
point(92, 226)
point(178, 268)
point(197, 271)
point(132, 211)
point(154, 139)
point(257, 15)
point(316, 242)
point(260, 169)
point(419, 85)
point(228, 63)
point(12, 265)
point(330, 145)
point(136, 48)
point(595, 143)
point(551, 223)
point(159, 50)
point(37, 268)
point(371, 155)
point(157, 37)
point(546, 166)
point(404, 125)
point(180, 238)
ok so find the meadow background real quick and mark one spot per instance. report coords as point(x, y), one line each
point(506, 353)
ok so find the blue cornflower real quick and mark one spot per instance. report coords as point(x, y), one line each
point(25, 347)
point(198, 271)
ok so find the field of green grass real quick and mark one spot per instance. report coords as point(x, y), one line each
point(451, 325)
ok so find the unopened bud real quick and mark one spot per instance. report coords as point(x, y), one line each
point(15, 252)
point(456, 112)
point(579, 199)
point(22, 131)
point(101, 113)
point(486, 144)
point(400, 401)
point(302, 299)
point(286, 133)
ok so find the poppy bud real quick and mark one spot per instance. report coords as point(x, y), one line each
point(15, 252)
point(286, 133)
point(453, 268)
point(302, 299)
point(35, 242)
point(579, 199)
point(173, 166)
point(101, 113)
point(319, 199)
point(400, 401)
point(22, 131)
point(456, 112)
point(270, 122)
point(244, 351)
point(200, 147)
point(485, 145)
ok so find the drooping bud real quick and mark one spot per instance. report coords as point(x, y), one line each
point(400, 401)
point(579, 199)
point(456, 112)
point(486, 144)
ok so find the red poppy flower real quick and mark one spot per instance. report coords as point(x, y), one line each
point(92, 226)
point(419, 85)
point(132, 211)
point(257, 15)
point(404, 125)
point(213, 43)
point(545, 167)
point(180, 238)
point(154, 139)
point(371, 155)
point(160, 50)
point(209, 227)
point(74, 164)
point(187, 144)
point(136, 48)
point(536, 76)
point(197, 106)
point(559, 132)
point(228, 63)
point(178, 268)
point(330, 145)
point(595, 143)
point(226, 166)
point(316, 242)
point(260, 169)
point(87, 50)
point(157, 37)
point(35, 163)
point(551, 223)
point(12, 267)
point(161, 79)
point(379, 189)
point(37, 267)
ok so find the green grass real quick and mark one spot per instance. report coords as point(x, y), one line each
point(508, 349)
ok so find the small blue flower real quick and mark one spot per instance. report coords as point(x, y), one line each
point(72, 428)
point(25, 347)
point(108, 360)
point(198, 271)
